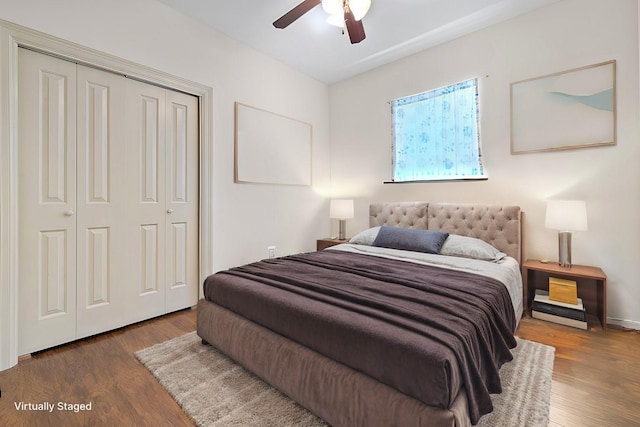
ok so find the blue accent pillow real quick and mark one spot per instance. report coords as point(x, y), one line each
point(411, 239)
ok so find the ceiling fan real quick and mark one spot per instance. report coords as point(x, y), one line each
point(342, 13)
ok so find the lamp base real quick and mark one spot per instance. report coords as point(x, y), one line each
point(343, 228)
point(564, 249)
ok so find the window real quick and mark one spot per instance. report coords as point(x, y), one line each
point(435, 135)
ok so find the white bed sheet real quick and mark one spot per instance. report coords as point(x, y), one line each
point(506, 271)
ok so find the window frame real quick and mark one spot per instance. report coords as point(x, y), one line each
point(425, 97)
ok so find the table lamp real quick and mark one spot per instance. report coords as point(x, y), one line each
point(341, 210)
point(566, 216)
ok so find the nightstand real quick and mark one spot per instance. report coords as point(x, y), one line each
point(328, 242)
point(591, 282)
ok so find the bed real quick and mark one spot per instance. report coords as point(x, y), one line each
point(347, 333)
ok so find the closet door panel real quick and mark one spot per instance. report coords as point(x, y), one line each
point(47, 201)
point(182, 200)
point(108, 201)
point(104, 234)
point(144, 172)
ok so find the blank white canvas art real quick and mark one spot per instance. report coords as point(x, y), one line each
point(271, 148)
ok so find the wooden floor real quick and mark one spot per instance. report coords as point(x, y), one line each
point(596, 374)
point(101, 370)
point(596, 380)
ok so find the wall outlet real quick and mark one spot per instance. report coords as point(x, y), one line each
point(272, 251)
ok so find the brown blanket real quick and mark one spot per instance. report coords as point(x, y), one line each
point(423, 330)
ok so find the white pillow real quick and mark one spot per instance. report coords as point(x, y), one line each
point(365, 237)
point(470, 247)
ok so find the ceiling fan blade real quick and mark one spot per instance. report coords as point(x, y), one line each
point(287, 19)
point(354, 28)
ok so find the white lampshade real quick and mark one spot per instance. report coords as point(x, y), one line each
point(332, 7)
point(336, 20)
point(341, 209)
point(359, 8)
point(566, 215)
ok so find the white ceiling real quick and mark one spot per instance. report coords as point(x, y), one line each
point(394, 29)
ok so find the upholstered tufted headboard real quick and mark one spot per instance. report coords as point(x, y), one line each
point(500, 226)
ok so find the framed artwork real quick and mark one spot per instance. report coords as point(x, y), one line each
point(271, 148)
point(565, 110)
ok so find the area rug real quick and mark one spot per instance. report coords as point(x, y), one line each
point(214, 391)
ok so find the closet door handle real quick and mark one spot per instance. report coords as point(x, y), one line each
point(169, 211)
point(69, 213)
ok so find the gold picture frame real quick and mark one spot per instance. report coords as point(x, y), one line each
point(565, 110)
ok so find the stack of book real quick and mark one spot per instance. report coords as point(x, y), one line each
point(558, 312)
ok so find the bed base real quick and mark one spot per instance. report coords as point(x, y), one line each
point(336, 393)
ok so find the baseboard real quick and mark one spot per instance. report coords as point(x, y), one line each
point(628, 324)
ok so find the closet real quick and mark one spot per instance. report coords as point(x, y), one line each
point(108, 201)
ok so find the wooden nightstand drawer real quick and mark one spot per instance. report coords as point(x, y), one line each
point(326, 243)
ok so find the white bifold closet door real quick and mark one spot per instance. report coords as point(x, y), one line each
point(108, 201)
point(47, 195)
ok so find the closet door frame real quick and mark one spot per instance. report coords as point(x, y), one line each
point(13, 37)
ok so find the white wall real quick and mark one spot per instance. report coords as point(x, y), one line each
point(247, 217)
point(565, 35)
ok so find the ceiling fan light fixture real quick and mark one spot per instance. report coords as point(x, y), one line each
point(342, 13)
point(359, 8)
